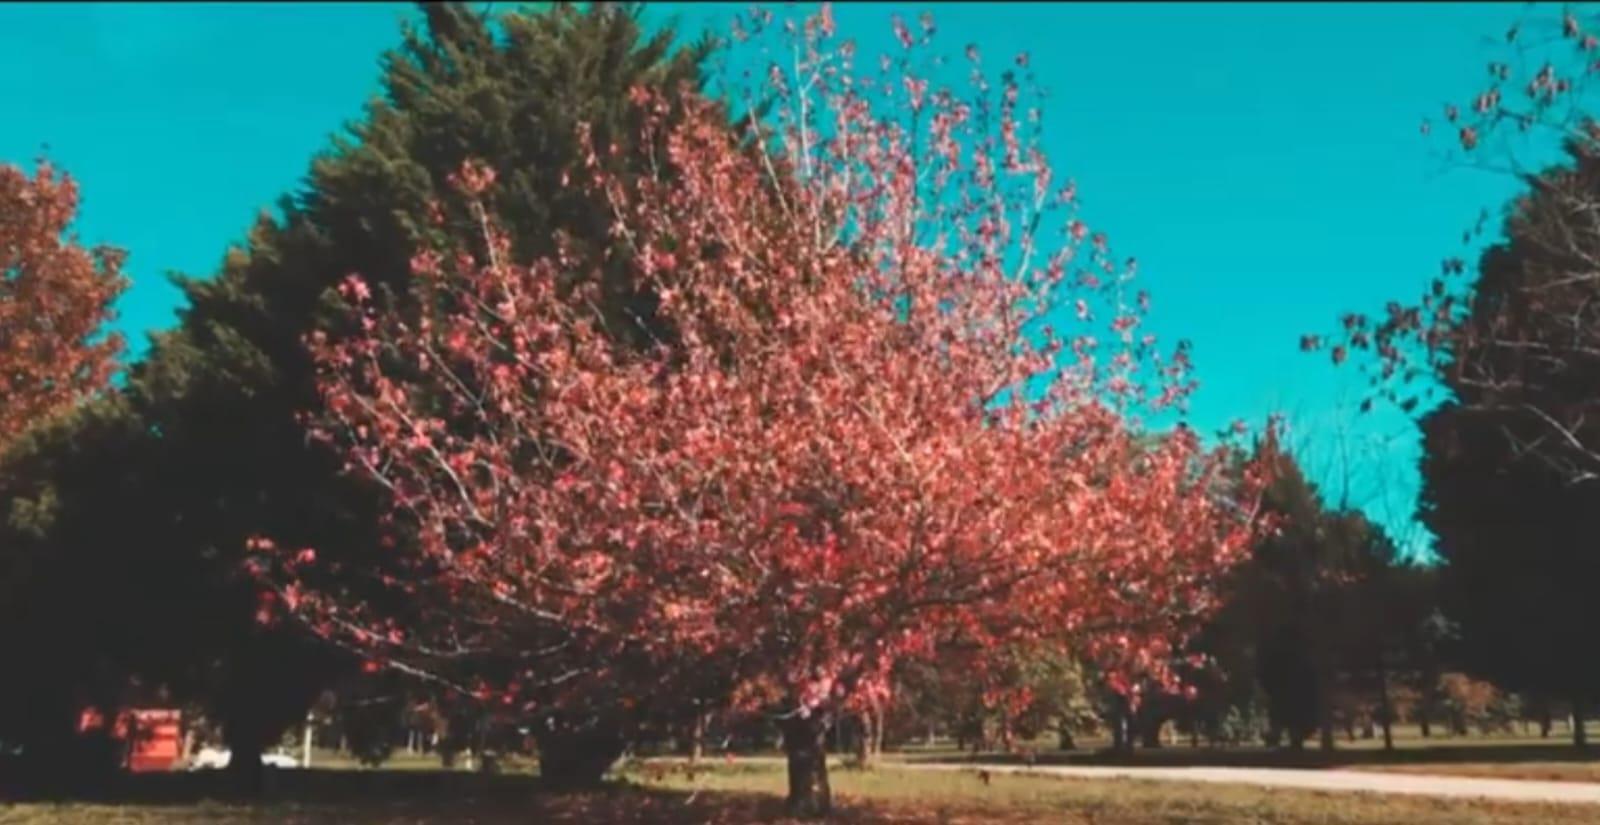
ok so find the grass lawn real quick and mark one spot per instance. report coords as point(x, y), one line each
point(1489, 758)
point(751, 793)
point(1499, 756)
point(1502, 756)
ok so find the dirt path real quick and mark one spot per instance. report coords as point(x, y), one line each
point(1509, 790)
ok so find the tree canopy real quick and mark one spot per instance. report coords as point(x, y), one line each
point(55, 300)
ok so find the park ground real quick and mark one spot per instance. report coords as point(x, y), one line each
point(1498, 756)
point(412, 789)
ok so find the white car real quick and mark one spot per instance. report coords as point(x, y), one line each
point(209, 758)
point(279, 760)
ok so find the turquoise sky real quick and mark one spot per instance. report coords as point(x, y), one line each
point(1262, 161)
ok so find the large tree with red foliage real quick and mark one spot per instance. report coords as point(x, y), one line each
point(874, 415)
point(55, 296)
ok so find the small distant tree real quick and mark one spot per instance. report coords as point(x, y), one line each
point(1020, 693)
point(939, 697)
point(1059, 699)
point(1472, 703)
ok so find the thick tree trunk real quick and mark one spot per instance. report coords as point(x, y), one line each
point(1544, 720)
point(245, 770)
point(579, 758)
point(805, 746)
point(1580, 734)
point(1150, 736)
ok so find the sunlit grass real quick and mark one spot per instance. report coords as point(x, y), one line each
point(965, 797)
point(1501, 755)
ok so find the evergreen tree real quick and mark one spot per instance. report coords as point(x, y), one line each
point(1513, 454)
point(1510, 496)
point(216, 442)
point(1516, 561)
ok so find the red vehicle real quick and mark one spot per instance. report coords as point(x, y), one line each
point(153, 736)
